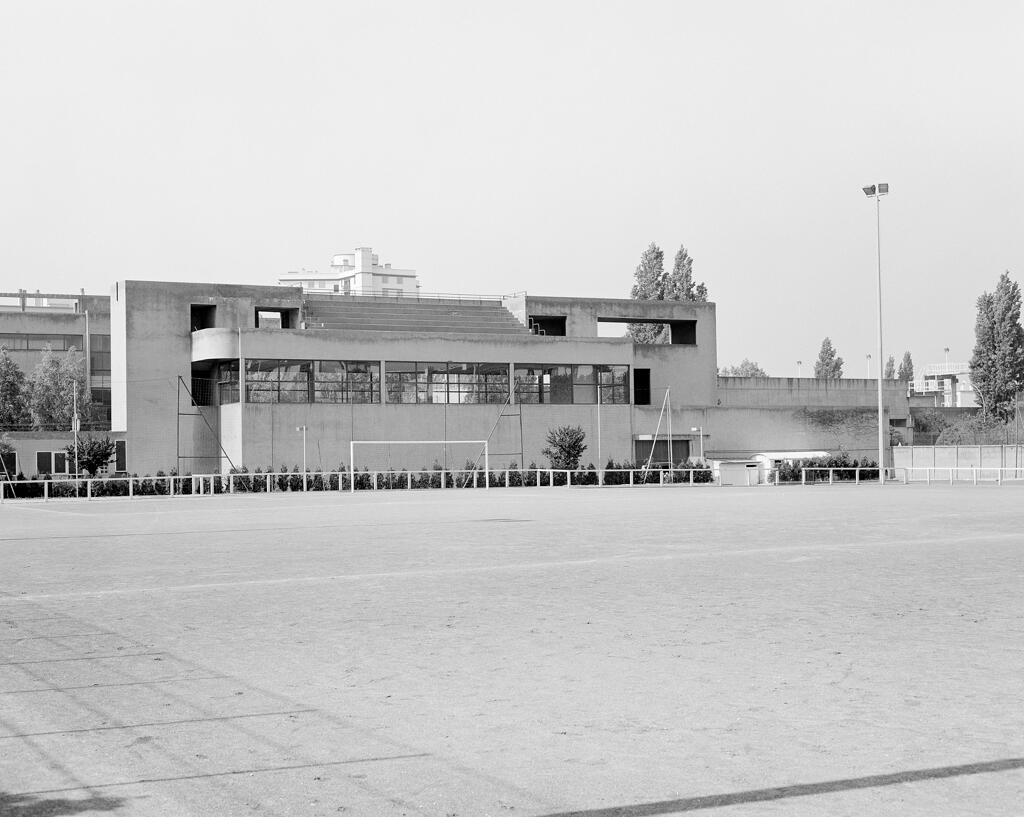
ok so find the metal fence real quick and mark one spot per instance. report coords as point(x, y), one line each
point(317, 481)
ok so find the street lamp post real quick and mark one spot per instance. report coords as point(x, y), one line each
point(303, 430)
point(869, 366)
point(876, 191)
point(700, 433)
point(799, 368)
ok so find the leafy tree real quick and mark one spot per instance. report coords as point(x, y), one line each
point(13, 393)
point(828, 366)
point(890, 369)
point(679, 284)
point(565, 447)
point(997, 365)
point(648, 285)
point(974, 429)
point(906, 369)
point(748, 368)
point(55, 381)
point(93, 453)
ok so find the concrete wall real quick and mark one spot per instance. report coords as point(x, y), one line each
point(958, 456)
point(151, 347)
point(808, 391)
point(27, 443)
point(271, 436)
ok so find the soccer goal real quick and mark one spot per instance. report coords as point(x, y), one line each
point(478, 443)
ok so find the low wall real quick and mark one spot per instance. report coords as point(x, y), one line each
point(958, 456)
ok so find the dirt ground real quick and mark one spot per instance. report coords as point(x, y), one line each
point(590, 652)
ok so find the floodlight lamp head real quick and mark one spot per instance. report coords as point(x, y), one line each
point(695, 429)
point(882, 188)
point(869, 191)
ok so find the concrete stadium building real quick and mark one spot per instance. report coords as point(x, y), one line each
point(205, 377)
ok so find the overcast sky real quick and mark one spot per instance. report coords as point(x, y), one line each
point(531, 146)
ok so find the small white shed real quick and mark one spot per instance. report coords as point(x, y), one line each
point(736, 472)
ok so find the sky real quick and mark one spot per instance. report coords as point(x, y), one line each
point(534, 147)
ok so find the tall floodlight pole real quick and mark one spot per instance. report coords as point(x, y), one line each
point(869, 366)
point(876, 191)
point(700, 433)
point(799, 368)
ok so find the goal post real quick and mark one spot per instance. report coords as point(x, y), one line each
point(352, 454)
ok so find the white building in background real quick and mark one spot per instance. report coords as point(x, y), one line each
point(356, 273)
point(950, 383)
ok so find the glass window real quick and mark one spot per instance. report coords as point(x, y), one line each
point(227, 382)
point(10, 341)
point(277, 381)
point(432, 383)
point(584, 384)
point(341, 381)
point(99, 354)
point(614, 384)
point(400, 381)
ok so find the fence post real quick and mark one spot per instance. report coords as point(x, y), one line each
point(856, 476)
point(551, 477)
point(630, 476)
point(999, 476)
point(506, 477)
point(830, 474)
point(46, 490)
point(88, 489)
point(803, 476)
point(131, 487)
point(974, 475)
point(691, 476)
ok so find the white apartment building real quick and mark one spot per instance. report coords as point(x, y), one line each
point(949, 382)
point(356, 273)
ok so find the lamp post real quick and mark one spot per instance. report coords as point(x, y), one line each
point(945, 351)
point(303, 430)
point(869, 366)
point(799, 368)
point(700, 433)
point(876, 191)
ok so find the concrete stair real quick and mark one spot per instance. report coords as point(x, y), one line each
point(375, 314)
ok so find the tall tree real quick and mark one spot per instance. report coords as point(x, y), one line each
point(56, 380)
point(679, 284)
point(748, 368)
point(997, 365)
point(828, 366)
point(890, 369)
point(906, 369)
point(649, 285)
point(13, 393)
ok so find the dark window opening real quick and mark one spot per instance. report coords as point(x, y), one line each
point(679, 333)
point(553, 325)
point(642, 387)
point(271, 318)
point(120, 455)
point(642, 450)
point(9, 465)
point(203, 317)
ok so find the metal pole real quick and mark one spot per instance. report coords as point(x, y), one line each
point(600, 463)
point(881, 408)
point(671, 459)
point(74, 425)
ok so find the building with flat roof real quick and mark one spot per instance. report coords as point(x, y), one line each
point(208, 377)
point(356, 273)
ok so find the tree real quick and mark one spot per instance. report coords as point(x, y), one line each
point(997, 365)
point(648, 285)
point(828, 366)
point(906, 369)
point(748, 368)
point(93, 453)
point(565, 447)
point(890, 369)
point(13, 393)
point(55, 381)
point(679, 284)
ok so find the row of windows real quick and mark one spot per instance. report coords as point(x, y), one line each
point(359, 381)
point(37, 343)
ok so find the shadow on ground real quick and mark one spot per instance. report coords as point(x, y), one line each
point(29, 805)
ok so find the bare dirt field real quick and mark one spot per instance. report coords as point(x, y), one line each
point(589, 652)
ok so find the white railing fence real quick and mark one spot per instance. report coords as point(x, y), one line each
point(965, 474)
point(317, 481)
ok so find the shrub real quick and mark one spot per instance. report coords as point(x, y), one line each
point(565, 447)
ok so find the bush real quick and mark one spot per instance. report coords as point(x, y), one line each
point(791, 471)
point(565, 447)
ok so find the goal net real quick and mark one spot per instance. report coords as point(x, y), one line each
point(417, 455)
